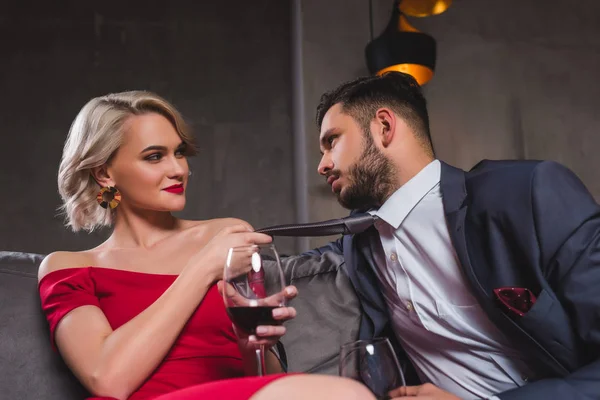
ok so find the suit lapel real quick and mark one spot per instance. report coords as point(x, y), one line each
point(454, 195)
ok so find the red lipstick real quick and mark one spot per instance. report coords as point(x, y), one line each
point(177, 189)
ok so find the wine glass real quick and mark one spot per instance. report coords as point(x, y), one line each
point(374, 363)
point(253, 285)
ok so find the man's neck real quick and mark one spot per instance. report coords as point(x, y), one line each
point(408, 170)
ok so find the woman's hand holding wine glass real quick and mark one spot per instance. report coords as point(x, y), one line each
point(255, 295)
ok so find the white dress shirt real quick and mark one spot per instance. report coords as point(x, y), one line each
point(448, 337)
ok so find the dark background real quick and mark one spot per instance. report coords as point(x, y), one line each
point(225, 65)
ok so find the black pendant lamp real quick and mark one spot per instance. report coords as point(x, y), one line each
point(403, 48)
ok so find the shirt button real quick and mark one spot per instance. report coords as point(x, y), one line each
point(409, 306)
point(525, 378)
point(394, 257)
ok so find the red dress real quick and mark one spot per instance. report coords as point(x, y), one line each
point(204, 362)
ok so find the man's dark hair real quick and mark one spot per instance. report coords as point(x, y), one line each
point(362, 97)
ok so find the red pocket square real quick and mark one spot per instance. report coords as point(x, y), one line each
point(516, 300)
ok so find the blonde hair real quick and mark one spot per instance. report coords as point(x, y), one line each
point(95, 136)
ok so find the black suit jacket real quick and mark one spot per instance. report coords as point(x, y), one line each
point(529, 224)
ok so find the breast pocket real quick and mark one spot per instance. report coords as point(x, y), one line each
point(466, 324)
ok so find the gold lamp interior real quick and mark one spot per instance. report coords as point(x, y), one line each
point(421, 73)
point(423, 8)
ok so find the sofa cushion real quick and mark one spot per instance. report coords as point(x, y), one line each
point(29, 369)
point(328, 312)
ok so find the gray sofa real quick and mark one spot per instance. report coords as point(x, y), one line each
point(328, 316)
point(29, 369)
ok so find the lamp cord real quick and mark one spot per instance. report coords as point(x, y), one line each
point(371, 18)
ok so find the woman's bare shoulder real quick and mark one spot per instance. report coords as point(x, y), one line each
point(64, 259)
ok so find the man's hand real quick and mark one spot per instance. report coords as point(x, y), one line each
point(423, 392)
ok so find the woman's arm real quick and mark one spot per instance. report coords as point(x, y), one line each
point(115, 363)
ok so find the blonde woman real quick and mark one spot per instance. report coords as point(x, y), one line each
point(140, 316)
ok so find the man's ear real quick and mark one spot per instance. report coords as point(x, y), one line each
point(386, 122)
point(102, 176)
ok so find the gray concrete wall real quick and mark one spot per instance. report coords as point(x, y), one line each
point(514, 79)
point(334, 36)
point(225, 65)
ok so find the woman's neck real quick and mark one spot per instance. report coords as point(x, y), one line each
point(141, 228)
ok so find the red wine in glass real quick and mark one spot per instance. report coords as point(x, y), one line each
point(253, 285)
point(248, 318)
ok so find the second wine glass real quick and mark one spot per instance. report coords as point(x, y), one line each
point(374, 363)
point(253, 285)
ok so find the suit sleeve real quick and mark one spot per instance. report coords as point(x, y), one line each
point(335, 247)
point(567, 224)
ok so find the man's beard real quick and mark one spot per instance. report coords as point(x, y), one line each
point(371, 180)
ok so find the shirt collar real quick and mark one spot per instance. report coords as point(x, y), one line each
point(403, 200)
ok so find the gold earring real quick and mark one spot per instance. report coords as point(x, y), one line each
point(109, 196)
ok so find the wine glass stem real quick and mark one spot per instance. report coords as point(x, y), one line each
point(260, 360)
